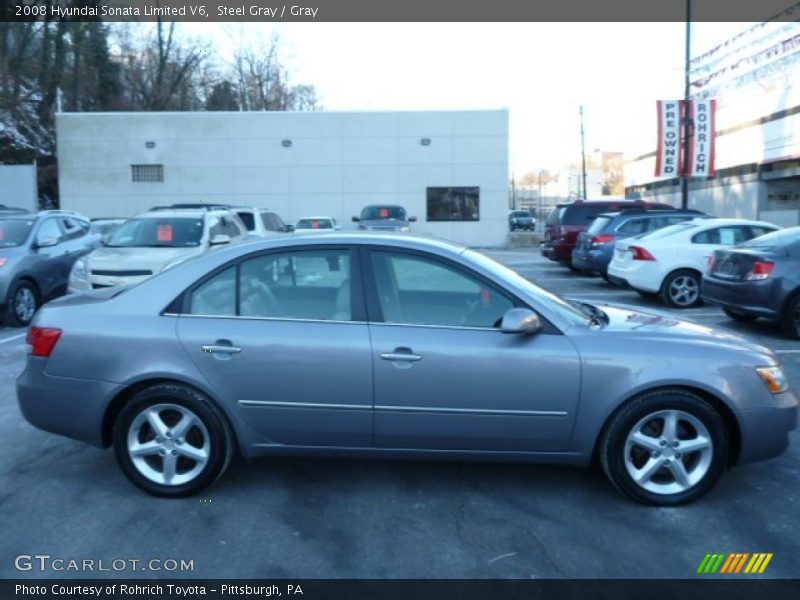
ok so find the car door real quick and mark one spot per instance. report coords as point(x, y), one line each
point(282, 337)
point(446, 377)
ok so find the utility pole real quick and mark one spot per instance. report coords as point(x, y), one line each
point(687, 120)
point(583, 156)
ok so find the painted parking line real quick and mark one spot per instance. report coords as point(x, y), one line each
point(12, 338)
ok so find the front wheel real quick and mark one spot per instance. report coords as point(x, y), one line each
point(171, 440)
point(791, 318)
point(665, 448)
point(23, 302)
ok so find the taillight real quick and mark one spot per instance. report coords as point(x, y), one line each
point(711, 260)
point(42, 340)
point(603, 238)
point(640, 253)
point(762, 269)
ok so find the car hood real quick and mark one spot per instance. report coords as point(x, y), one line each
point(138, 258)
point(661, 326)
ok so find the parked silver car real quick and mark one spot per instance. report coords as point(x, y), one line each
point(394, 346)
point(37, 252)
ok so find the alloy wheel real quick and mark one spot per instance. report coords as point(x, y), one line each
point(24, 304)
point(668, 452)
point(684, 290)
point(168, 444)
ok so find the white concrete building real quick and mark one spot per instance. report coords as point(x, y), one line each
point(295, 163)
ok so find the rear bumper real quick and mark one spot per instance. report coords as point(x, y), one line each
point(70, 407)
point(752, 297)
point(594, 259)
point(558, 251)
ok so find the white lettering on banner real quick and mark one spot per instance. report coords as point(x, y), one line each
point(701, 157)
point(668, 151)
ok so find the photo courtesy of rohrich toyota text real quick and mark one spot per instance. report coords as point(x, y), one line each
point(425, 299)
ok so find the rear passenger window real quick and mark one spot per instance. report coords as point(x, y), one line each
point(634, 226)
point(725, 236)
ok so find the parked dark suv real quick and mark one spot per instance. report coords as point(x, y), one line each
point(595, 246)
point(566, 221)
point(521, 220)
point(37, 252)
point(759, 278)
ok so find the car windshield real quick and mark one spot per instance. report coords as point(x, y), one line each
point(314, 224)
point(599, 224)
point(14, 232)
point(558, 305)
point(377, 213)
point(776, 239)
point(670, 230)
point(175, 232)
point(520, 214)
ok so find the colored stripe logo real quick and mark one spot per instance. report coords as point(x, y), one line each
point(734, 563)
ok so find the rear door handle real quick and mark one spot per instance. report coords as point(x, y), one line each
point(220, 349)
point(401, 354)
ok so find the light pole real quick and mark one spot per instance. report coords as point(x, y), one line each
point(583, 157)
point(687, 119)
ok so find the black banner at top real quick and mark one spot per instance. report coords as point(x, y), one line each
point(399, 10)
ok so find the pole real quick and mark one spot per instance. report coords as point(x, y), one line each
point(686, 121)
point(583, 157)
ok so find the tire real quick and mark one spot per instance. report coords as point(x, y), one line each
point(696, 421)
point(739, 316)
point(791, 317)
point(681, 289)
point(22, 304)
point(208, 437)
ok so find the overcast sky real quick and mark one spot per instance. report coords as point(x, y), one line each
point(541, 72)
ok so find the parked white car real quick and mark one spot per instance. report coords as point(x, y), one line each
point(316, 225)
point(670, 262)
point(260, 221)
point(152, 242)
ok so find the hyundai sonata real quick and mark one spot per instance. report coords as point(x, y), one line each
point(394, 346)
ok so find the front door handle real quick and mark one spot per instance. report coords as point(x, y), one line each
point(401, 354)
point(212, 349)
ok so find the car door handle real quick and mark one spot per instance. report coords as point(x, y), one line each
point(403, 354)
point(220, 349)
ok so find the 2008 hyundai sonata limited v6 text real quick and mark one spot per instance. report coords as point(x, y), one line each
point(394, 346)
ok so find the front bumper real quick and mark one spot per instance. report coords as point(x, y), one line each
point(70, 407)
point(765, 431)
point(752, 297)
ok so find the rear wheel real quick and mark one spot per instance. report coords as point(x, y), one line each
point(737, 315)
point(23, 302)
point(665, 448)
point(791, 317)
point(170, 440)
point(681, 289)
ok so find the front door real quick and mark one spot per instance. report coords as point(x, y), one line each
point(447, 378)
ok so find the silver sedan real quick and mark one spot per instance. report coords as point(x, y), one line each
point(394, 346)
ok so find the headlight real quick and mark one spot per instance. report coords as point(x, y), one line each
point(774, 378)
point(79, 277)
point(405, 229)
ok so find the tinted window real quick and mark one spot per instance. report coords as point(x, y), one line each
point(377, 213)
point(248, 220)
point(416, 290)
point(271, 222)
point(671, 230)
point(554, 218)
point(583, 214)
point(599, 224)
point(14, 232)
point(634, 226)
point(312, 284)
point(216, 297)
point(726, 236)
point(757, 231)
point(49, 229)
point(230, 228)
point(174, 232)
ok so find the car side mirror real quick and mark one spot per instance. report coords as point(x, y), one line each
point(220, 239)
point(356, 219)
point(412, 219)
point(521, 320)
point(45, 242)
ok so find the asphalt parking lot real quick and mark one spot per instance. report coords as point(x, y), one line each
point(315, 518)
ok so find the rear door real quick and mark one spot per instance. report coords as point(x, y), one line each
point(282, 338)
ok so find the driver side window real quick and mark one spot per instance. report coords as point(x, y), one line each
point(419, 291)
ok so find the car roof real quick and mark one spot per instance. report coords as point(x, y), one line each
point(714, 222)
point(16, 215)
point(186, 213)
point(316, 217)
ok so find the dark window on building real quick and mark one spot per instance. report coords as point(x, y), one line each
point(147, 173)
point(453, 203)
